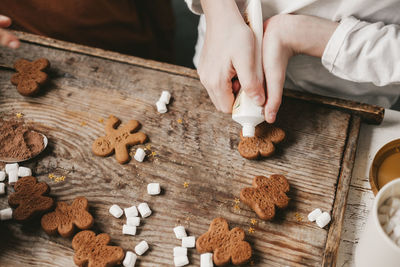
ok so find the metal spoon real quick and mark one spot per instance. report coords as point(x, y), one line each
point(11, 160)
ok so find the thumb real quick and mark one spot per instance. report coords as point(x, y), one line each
point(252, 83)
point(4, 21)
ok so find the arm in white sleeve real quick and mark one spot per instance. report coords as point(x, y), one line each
point(364, 52)
point(194, 6)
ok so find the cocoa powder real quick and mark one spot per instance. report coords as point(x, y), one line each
point(18, 141)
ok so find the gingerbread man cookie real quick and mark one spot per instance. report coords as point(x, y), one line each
point(93, 251)
point(29, 198)
point(265, 194)
point(262, 144)
point(226, 245)
point(117, 139)
point(30, 75)
point(65, 217)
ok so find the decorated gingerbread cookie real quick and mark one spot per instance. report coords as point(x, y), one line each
point(30, 76)
point(227, 246)
point(30, 199)
point(118, 139)
point(92, 250)
point(263, 142)
point(265, 194)
point(66, 217)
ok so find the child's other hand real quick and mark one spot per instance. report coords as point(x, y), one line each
point(6, 38)
point(228, 51)
point(285, 36)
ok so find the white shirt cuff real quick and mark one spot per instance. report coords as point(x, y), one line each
point(195, 6)
point(336, 41)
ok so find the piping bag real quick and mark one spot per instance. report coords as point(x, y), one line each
point(245, 111)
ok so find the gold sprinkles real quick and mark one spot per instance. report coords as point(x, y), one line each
point(185, 185)
point(179, 121)
point(19, 115)
point(251, 230)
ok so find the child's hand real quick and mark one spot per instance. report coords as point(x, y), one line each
point(285, 36)
point(7, 38)
point(228, 52)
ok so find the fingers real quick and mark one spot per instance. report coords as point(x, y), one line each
point(275, 61)
point(246, 68)
point(4, 21)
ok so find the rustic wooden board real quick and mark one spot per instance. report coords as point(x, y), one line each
point(202, 151)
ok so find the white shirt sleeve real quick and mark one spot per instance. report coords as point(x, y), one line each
point(194, 6)
point(364, 52)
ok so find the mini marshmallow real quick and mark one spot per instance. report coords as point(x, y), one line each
point(24, 171)
point(133, 221)
point(180, 232)
point(130, 259)
point(2, 176)
point(206, 260)
point(165, 97)
point(180, 251)
point(6, 214)
point(13, 176)
point(144, 210)
point(141, 248)
point(396, 231)
point(394, 202)
point(153, 189)
point(188, 241)
point(323, 219)
point(139, 155)
point(131, 212)
point(128, 230)
point(181, 261)
point(389, 226)
point(312, 216)
point(161, 107)
point(11, 167)
point(2, 189)
point(116, 211)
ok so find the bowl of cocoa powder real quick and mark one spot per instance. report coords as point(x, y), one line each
point(18, 142)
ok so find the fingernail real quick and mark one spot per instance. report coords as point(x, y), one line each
point(13, 44)
point(271, 117)
point(3, 18)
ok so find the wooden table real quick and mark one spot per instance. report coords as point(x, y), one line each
point(192, 144)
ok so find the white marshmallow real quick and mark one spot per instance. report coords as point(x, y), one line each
point(6, 214)
point(11, 167)
point(116, 211)
point(323, 219)
point(188, 241)
point(139, 154)
point(133, 221)
point(181, 261)
point(24, 171)
point(130, 259)
point(2, 189)
point(131, 212)
point(394, 202)
point(153, 189)
point(180, 232)
point(144, 210)
point(141, 248)
point(396, 231)
point(206, 260)
point(13, 176)
point(161, 107)
point(165, 97)
point(180, 251)
point(389, 226)
point(128, 230)
point(312, 216)
point(2, 176)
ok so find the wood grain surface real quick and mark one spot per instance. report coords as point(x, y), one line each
point(192, 143)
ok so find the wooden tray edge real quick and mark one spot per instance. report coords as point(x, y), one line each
point(369, 113)
point(342, 190)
